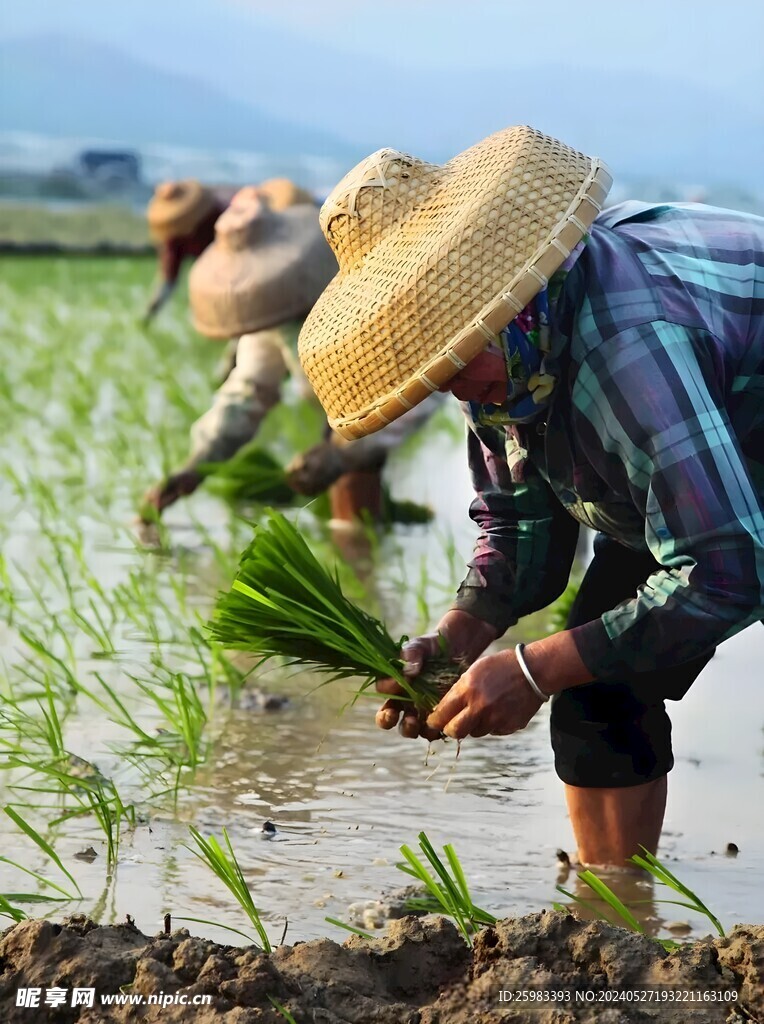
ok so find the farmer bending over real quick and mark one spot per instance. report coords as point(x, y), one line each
point(182, 215)
point(611, 370)
point(255, 285)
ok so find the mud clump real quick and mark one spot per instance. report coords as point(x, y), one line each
point(420, 972)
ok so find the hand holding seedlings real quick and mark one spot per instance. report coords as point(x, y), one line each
point(169, 491)
point(492, 697)
point(462, 638)
point(284, 603)
point(412, 720)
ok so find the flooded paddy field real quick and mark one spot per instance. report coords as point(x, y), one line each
point(120, 727)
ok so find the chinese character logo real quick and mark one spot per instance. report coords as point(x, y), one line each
point(56, 996)
point(28, 997)
point(83, 996)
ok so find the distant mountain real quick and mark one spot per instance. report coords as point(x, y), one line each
point(56, 85)
point(312, 98)
point(643, 125)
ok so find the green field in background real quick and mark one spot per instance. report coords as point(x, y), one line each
point(79, 226)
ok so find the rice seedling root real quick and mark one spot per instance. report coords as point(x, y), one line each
point(438, 676)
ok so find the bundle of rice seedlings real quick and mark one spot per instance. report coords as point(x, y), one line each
point(252, 474)
point(285, 604)
point(403, 511)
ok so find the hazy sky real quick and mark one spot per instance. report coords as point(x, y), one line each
point(703, 41)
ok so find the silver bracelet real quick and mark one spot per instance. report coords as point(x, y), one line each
point(527, 673)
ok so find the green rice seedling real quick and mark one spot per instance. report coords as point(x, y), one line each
point(99, 632)
point(428, 583)
point(32, 679)
point(223, 669)
point(100, 797)
point(284, 603)
point(449, 891)
point(134, 597)
point(8, 910)
point(176, 746)
point(7, 593)
point(42, 616)
point(282, 1011)
point(203, 654)
point(251, 475)
point(393, 511)
point(226, 866)
point(35, 897)
point(109, 811)
point(650, 863)
point(607, 895)
point(216, 924)
point(92, 793)
point(65, 673)
point(46, 848)
point(32, 897)
point(403, 511)
point(184, 716)
point(115, 708)
point(9, 899)
point(179, 586)
point(348, 927)
point(21, 730)
point(70, 548)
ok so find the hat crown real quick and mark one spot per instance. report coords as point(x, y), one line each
point(243, 223)
point(169, 190)
point(376, 196)
point(246, 195)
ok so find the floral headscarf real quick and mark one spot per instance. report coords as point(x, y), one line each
point(525, 345)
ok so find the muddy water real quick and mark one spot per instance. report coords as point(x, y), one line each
point(344, 796)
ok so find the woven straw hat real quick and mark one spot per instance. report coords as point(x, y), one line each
point(177, 207)
point(434, 261)
point(280, 193)
point(263, 269)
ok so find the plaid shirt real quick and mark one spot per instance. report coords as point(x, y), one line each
point(655, 436)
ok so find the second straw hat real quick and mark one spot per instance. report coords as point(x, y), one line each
point(281, 193)
point(263, 269)
point(177, 207)
point(435, 260)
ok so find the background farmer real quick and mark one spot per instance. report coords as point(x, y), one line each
point(627, 393)
point(182, 215)
point(255, 284)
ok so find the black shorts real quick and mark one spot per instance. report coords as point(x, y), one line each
point(616, 733)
